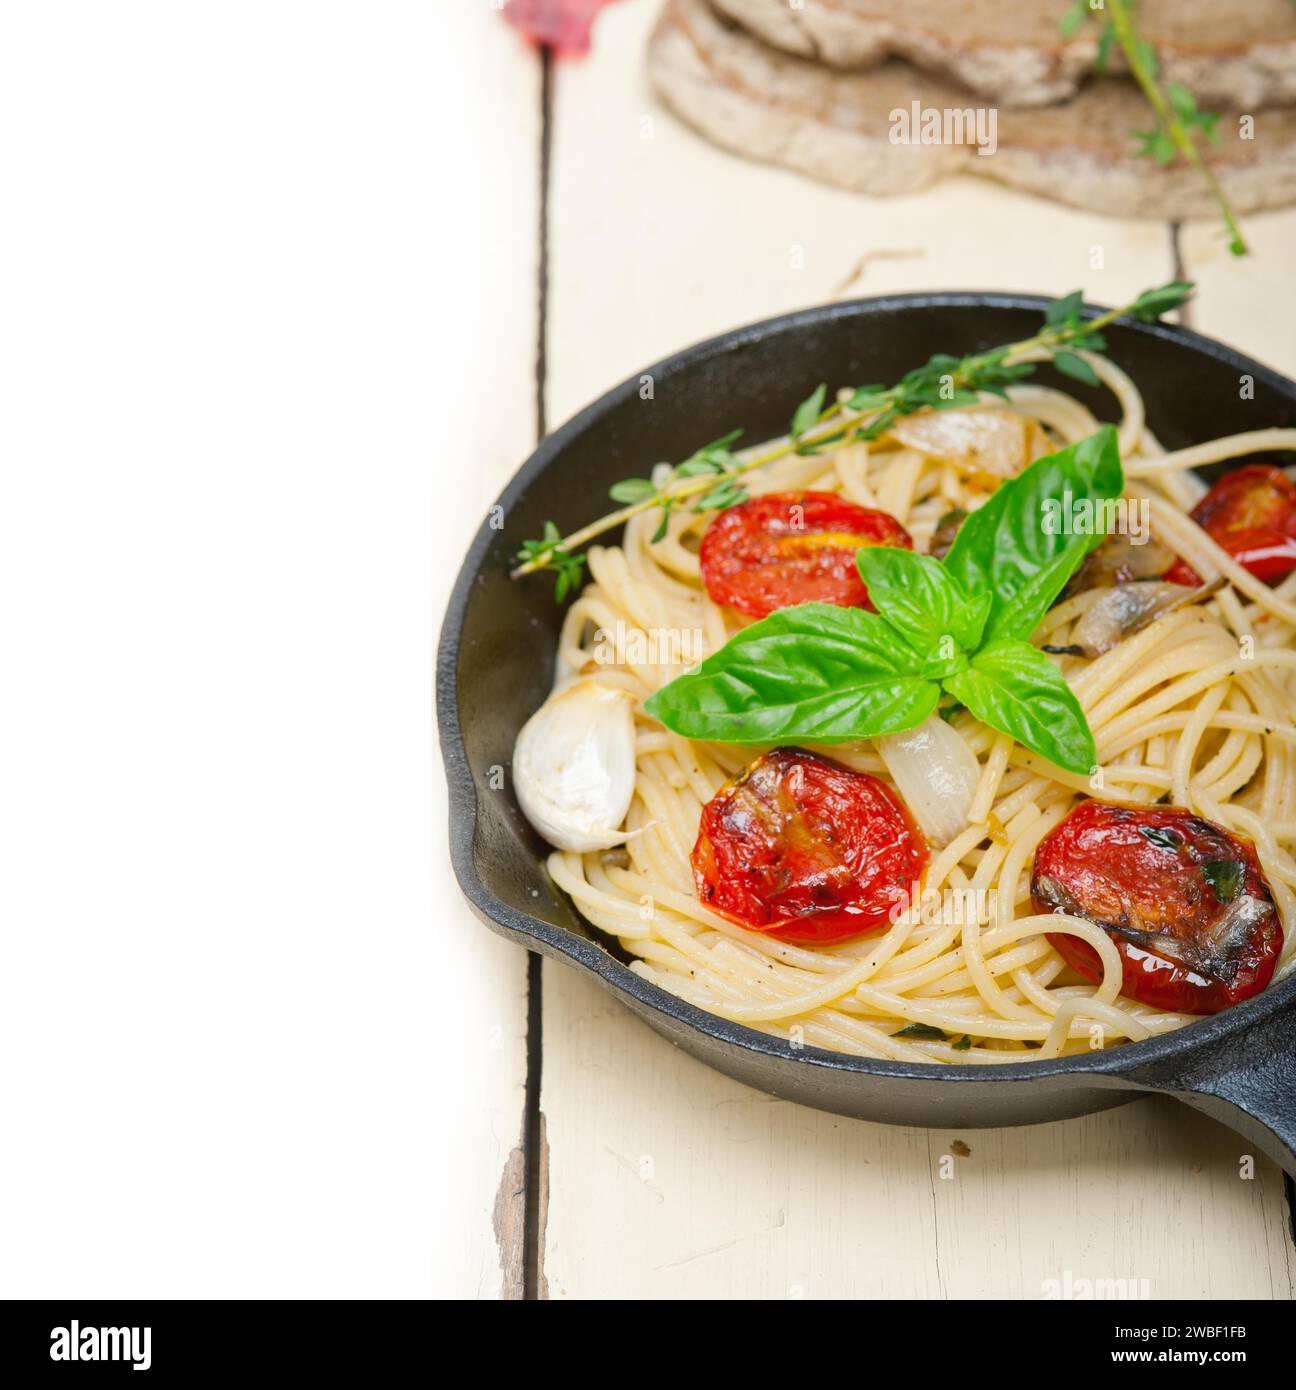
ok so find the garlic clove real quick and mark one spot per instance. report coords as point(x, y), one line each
point(574, 766)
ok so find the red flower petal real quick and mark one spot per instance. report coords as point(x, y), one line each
point(563, 25)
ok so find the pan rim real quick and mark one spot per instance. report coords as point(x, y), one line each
point(1127, 1059)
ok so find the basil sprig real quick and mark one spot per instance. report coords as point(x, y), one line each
point(1018, 547)
point(813, 671)
point(827, 675)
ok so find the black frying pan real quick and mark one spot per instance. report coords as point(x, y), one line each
point(495, 667)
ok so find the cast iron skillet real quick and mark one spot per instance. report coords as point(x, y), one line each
point(495, 667)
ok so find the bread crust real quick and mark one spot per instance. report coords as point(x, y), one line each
point(836, 127)
point(1235, 53)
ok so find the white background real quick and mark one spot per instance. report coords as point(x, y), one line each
point(244, 358)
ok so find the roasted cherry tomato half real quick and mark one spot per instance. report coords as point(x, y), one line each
point(1183, 899)
point(792, 547)
point(1251, 513)
point(806, 850)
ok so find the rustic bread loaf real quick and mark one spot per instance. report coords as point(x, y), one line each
point(1236, 53)
point(838, 126)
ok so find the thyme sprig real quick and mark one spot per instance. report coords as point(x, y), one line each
point(550, 553)
point(709, 478)
point(1179, 123)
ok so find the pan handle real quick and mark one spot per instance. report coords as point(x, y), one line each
point(1247, 1081)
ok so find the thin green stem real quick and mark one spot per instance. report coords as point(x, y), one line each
point(830, 422)
point(1122, 22)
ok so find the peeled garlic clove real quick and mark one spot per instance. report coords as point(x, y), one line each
point(574, 766)
point(936, 773)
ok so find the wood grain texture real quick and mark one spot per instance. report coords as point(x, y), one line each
point(671, 1181)
point(480, 992)
point(668, 1180)
point(1245, 301)
point(660, 239)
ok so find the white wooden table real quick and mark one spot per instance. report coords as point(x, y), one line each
point(656, 1177)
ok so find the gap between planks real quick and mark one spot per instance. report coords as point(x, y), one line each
point(522, 1198)
point(535, 1148)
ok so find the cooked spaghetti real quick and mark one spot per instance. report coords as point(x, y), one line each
point(1191, 709)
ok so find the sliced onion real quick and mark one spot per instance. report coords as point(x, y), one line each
point(1127, 609)
point(937, 775)
point(988, 443)
point(1120, 559)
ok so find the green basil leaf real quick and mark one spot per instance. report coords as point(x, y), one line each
point(813, 672)
point(922, 1030)
point(1016, 689)
point(1017, 620)
point(1225, 877)
point(921, 599)
point(1015, 547)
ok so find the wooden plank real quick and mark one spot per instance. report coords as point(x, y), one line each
point(480, 987)
point(671, 1181)
point(661, 239)
point(1239, 299)
point(668, 1180)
